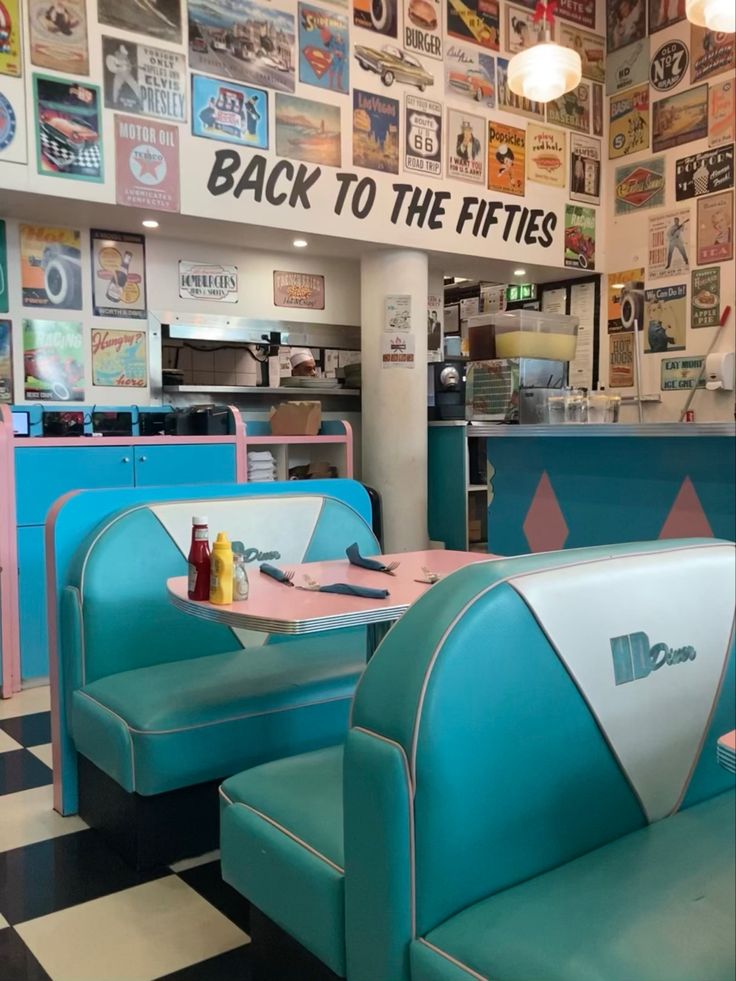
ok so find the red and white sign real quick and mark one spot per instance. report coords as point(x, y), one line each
point(147, 164)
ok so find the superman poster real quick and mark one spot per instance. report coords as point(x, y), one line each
point(323, 48)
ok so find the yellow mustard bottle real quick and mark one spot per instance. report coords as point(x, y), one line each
point(221, 571)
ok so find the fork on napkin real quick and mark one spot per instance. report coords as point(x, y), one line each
point(346, 589)
point(275, 573)
point(355, 558)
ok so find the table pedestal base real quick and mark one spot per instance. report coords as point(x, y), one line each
point(376, 633)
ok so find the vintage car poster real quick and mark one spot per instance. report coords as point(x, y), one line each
point(506, 158)
point(229, 112)
point(422, 136)
point(156, 18)
point(324, 48)
point(12, 123)
point(705, 297)
point(6, 361)
point(704, 173)
point(53, 361)
point(680, 118)
point(639, 186)
point(624, 290)
point(296, 289)
point(522, 29)
point(572, 109)
point(711, 52)
point(715, 228)
point(381, 16)
point(578, 11)
point(665, 319)
point(627, 67)
point(243, 39)
point(119, 358)
point(682, 374)
point(579, 236)
point(474, 20)
point(626, 22)
point(375, 132)
point(629, 122)
point(307, 130)
point(147, 164)
point(585, 169)
point(144, 80)
point(665, 13)
point(208, 281)
point(4, 297)
point(509, 101)
point(669, 245)
point(68, 129)
point(590, 47)
point(721, 113)
point(669, 65)
point(466, 146)
point(118, 274)
point(621, 361)
point(10, 51)
point(51, 267)
point(57, 34)
point(423, 27)
point(393, 65)
point(546, 155)
point(470, 74)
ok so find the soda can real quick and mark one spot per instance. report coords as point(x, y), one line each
point(690, 415)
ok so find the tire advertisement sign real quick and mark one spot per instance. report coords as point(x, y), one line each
point(625, 300)
point(53, 362)
point(147, 171)
point(118, 274)
point(208, 281)
point(119, 358)
point(423, 135)
point(51, 267)
point(423, 27)
point(704, 173)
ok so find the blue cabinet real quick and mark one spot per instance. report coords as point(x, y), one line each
point(32, 603)
point(197, 463)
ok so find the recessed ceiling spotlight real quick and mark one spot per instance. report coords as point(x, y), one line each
point(150, 223)
point(300, 243)
point(519, 272)
point(617, 286)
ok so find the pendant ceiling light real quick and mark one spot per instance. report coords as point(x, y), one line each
point(546, 70)
point(716, 15)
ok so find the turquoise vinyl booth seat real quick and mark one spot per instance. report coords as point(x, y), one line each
point(529, 788)
point(159, 700)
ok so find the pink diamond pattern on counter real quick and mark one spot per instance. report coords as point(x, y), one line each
point(686, 518)
point(545, 526)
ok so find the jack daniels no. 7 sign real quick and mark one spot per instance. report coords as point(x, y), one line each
point(704, 173)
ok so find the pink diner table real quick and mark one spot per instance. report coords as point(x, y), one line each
point(275, 608)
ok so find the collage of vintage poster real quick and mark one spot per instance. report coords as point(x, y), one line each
point(590, 47)
point(506, 158)
point(669, 65)
point(705, 297)
point(466, 146)
point(681, 374)
point(53, 361)
point(470, 74)
point(119, 358)
point(147, 164)
point(721, 113)
point(521, 29)
point(665, 13)
point(422, 136)
point(161, 19)
point(51, 267)
point(244, 40)
point(324, 48)
point(666, 319)
point(621, 361)
point(144, 80)
point(579, 236)
point(10, 50)
point(58, 35)
point(680, 118)
point(669, 245)
point(423, 27)
point(627, 67)
point(508, 100)
point(118, 274)
point(4, 296)
point(711, 52)
point(68, 129)
point(585, 169)
point(626, 22)
point(715, 228)
point(623, 289)
point(546, 155)
point(375, 132)
point(629, 122)
point(704, 173)
point(229, 112)
point(474, 20)
point(6, 361)
point(572, 110)
point(383, 18)
point(639, 186)
point(308, 130)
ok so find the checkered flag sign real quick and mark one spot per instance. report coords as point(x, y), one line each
point(86, 160)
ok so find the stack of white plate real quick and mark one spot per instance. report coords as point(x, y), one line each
point(307, 382)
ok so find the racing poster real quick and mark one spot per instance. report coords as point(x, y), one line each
point(423, 136)
point(144, 80)
point(118, 274)
point(229, 112)
point(51, 267)
point(58, 35)
point(579, 237)
point(68, 129)
point(53, 362)
point(324, 48)
point(147, 164)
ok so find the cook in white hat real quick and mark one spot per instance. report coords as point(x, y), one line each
point(302, 363)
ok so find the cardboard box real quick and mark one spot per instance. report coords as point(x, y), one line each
point(296, 419)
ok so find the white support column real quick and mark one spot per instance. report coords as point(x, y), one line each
point(394, 409)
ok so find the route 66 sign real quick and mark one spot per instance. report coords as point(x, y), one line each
point(423, 129)
point(669, 65)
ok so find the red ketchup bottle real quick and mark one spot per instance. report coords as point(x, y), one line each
point(199, 561)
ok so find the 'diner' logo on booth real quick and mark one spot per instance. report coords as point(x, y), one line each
point(634, 658)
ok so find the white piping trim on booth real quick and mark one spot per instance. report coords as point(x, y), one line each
point(454, 960)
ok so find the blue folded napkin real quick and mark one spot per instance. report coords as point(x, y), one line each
point(275, 573)
point(347, 590)
point(355, 558)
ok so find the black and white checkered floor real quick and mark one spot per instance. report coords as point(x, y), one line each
point(71, 910)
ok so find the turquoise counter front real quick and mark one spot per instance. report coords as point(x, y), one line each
point(553, 487)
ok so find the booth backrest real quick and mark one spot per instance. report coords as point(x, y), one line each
point(534, 709)
point(123, 615)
